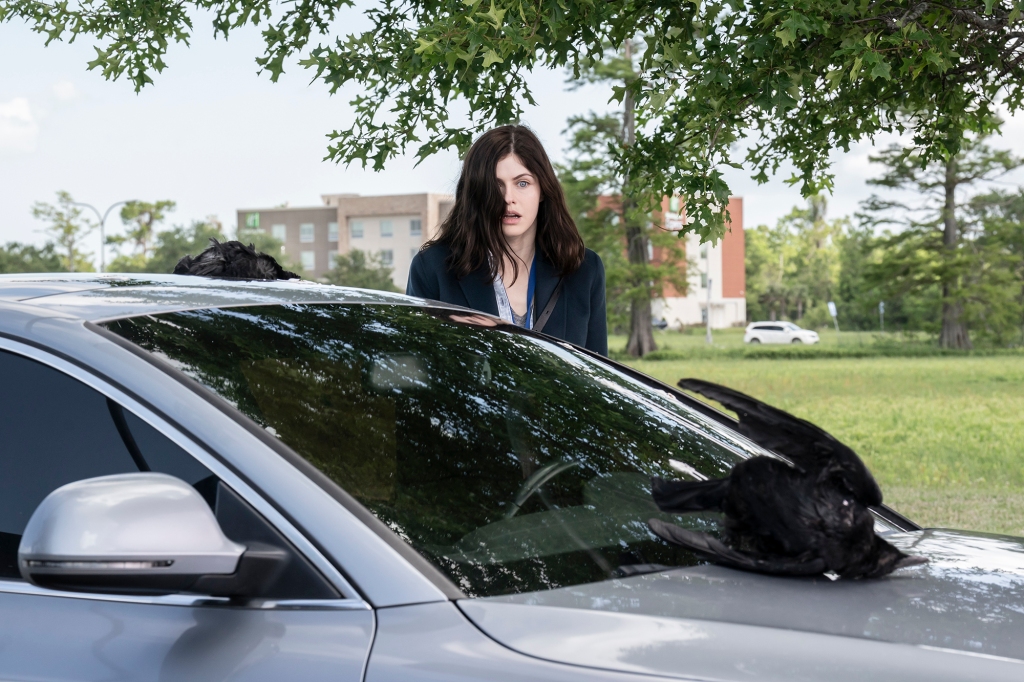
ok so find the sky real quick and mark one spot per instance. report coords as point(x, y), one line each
point(215, 136)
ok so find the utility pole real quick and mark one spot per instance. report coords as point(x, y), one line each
point(103, 220)
point(707, 336)
point(881, 315)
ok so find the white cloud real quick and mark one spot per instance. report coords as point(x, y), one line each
point(18, 128)
point(65, 90)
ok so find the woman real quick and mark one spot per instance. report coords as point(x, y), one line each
point(510, 248)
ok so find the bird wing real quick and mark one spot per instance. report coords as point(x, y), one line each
point(808, 446)
point(718, 552)
point(767, 426)
point(689, 496)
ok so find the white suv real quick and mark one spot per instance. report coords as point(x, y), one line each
point(778, 332)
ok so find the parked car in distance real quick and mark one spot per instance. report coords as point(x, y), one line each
point(778, 332)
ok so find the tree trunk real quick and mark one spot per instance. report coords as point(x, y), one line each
point(954, 331)
point(641, 332)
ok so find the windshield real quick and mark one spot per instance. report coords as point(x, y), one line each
point(511, 463)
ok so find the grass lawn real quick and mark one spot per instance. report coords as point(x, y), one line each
point(943, 435)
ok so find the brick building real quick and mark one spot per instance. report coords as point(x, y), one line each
point(721, 265)
point(395, 226)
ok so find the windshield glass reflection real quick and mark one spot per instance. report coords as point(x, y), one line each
point(512, 463)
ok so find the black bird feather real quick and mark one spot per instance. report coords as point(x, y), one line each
point(233, 260)
point(803, 518)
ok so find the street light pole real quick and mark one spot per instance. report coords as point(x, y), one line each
point(103, 220)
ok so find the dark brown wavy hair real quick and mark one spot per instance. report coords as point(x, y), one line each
point(472, 230)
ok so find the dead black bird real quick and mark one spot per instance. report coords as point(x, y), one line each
point(233, 260)
point(801, 519)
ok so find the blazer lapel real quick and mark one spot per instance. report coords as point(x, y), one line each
point(479, 291)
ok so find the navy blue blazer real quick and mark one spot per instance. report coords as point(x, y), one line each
point(579, 314)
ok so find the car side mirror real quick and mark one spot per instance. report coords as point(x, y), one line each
point(143, 533)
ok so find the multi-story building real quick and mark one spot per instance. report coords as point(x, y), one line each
point(396, 226)
point(393, 226)
point(718, 269)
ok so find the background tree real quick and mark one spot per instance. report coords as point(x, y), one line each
point(933, 248)
point(837, 73)
point(268, 244)
point(16, 257)
point(141, 219)
point(170, 245)
point(615, 227)
point(67, 229)
point(793, 268)
point(998, 220)
point(179, 241)
point(588, 178)
point(359, 269)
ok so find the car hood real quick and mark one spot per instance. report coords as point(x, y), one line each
point(968, 600)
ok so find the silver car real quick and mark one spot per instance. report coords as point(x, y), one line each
point(216, 480)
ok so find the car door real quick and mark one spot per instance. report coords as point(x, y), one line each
point(55, 429)
point(770, 333)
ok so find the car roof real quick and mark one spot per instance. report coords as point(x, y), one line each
point(103, 296)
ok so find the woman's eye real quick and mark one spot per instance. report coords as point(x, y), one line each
point(524, 183)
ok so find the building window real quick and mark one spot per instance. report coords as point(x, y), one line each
point(415, 227)
point(252, 220)
point(387, 228)
point(308, 260)
point(387, 257)
point(279, 232)
point(703, 250)
point(703, 280)
point(332, 232)
point(306, 233)
point(673, 204)
point(355, 228)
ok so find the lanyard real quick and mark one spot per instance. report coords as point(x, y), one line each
point(505, 307)
point(529, 292)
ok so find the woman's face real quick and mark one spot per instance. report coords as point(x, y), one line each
point(522, 197)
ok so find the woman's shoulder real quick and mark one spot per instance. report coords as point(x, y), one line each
point(591, 266)
point(433, 257)
point(591, 259)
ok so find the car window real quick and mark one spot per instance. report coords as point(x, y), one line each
point(56, 430)
point(512, 463)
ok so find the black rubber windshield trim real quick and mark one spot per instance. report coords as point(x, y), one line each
point(407, 552)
